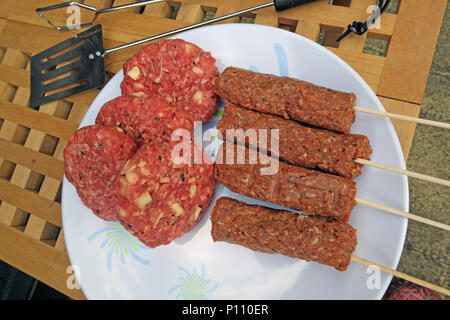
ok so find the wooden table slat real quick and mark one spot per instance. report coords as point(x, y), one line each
point(37, 259)
point(37, 120)
point(409, 57)
point(37, 161)
point(31, 202)
point(404, 129)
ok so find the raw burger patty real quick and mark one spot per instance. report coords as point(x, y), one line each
point(144, 119)
point(176, 70)
point(162, 200)
point(93, 157)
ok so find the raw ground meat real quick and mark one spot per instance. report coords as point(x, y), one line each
point(288, 97)
point(295, 235)
point(307, 147)
point(162, 199)
point(93, 157)
point(311, 191)
point(144, 118)
point(178, 71)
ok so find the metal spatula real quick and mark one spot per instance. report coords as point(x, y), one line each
point(77, 64)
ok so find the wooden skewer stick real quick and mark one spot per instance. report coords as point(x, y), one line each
point(403, 117)
point(405, 172)
point(403, 214)
point(403, 276)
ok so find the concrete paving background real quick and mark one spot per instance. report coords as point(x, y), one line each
point(427, 251)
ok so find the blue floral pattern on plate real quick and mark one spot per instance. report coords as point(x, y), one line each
point(120, 242)
point(193, 286)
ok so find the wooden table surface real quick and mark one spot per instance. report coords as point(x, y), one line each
point(31, 142)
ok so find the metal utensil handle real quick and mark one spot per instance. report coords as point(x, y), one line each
point(193, 26)
point(88, 7)
point(126, 6)
point(65, 4)
point(279, 5)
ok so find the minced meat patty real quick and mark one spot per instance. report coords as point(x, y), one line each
point(144, 118)
point(163, 198)
point(93, 157)
point(176, 70)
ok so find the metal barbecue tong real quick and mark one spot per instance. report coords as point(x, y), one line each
point(77, 64)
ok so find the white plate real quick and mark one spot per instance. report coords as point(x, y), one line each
point(111, 264)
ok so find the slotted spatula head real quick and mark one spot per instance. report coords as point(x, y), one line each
point(72, 66)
